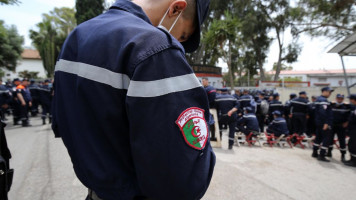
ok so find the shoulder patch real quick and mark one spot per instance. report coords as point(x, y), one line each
point(193, 127)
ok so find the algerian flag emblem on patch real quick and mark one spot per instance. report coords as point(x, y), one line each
point(193, 127)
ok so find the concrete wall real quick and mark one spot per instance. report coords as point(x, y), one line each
point(31, 65)
point(312, 91)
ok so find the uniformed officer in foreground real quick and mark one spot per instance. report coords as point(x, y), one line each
point(323, 121)
point(128, 106)
point(352, 133)
point(341, 113)
point(227, 106)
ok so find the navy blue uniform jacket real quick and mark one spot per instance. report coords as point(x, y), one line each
point(120, 86)
point(323, 112)
point(278, 126)
point(250, 121)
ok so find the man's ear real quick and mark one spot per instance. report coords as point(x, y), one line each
point(177, 7)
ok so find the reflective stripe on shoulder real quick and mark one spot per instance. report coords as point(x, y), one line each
point(94, 73)
point(226, 99)
point(163, 86)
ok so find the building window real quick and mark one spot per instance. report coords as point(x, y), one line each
point(322, 80)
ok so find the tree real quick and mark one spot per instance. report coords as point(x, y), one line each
point(223, 37)
point(10, 46)
point(9, 2)
point(28, 74)
point(87, 9)
point(278, 13)
point(331, 18)
point(51, 34)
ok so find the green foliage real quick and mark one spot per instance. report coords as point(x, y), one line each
point(331, 18)
point(87, 9)
point(224, 39)
point(10, 46)
point(283, 67)
point(28, 74)
point(291, 79)
point(2, 73)
point(9, 2)
point(50, 35)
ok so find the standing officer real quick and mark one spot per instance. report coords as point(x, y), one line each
point(45, 96)
point(352, 133)
point(323, 121)
point(311, 128)
point(5, 100)
point(227, 106)
point(148, 139)
point(15, 104)
point(341, 113)
point(298, 113)
point(262, 110)
point(274, 105)
point(211, 92)
point(247, 100)
point(287, 111)
point(25, 100)
point(34, 90)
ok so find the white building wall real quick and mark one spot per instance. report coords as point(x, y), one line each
point(334, 81)
point(32, 65)
point(303, 77)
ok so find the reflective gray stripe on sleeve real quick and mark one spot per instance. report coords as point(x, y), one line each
point(94, 73)
point(226, 99)
point(163, 86)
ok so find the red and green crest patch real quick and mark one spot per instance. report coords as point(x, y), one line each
point(193, 127)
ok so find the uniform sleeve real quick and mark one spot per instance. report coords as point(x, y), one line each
point(170, 162)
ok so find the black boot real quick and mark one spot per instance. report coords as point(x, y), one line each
point(50, 120)
point(25, 123)
point(322, 156)
point(43, 121)
point(315, 154)
point(343, 157)
point(351, 162)
point(329, 154)
point(230, 146)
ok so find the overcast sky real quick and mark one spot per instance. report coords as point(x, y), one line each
point(313, 57)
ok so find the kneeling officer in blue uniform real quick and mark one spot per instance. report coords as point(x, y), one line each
point(149, 138)
point(278, 126)
point(248, 122)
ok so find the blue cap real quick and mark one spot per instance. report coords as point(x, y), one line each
point(248, 109)
point(340, 96)
point(352, 96)
point(302, 93)
point(223, 89)
point(193, 42)
point(277, 112)
point(47, 81)
point(328, 89)
point(16, 79)
point(275, 95)
point(293, 95)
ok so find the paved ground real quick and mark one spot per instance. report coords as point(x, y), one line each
point(43, 171)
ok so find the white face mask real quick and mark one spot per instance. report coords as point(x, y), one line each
point(164, 16)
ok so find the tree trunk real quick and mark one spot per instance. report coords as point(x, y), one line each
point(262, 71)
point(279, 63)
point(230, 68)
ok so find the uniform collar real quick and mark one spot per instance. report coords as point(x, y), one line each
point(129, 6)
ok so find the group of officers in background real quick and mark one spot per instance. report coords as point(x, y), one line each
point(23, 97)
point(251, 111)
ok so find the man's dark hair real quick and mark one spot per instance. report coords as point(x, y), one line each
point(205, 79)
point(191, 11)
